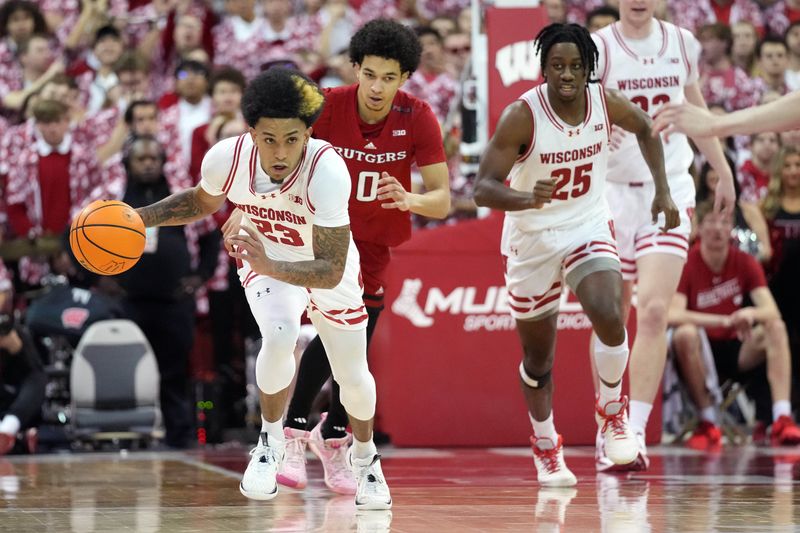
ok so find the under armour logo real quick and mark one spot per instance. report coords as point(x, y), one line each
point(262, 292)
point(648, 61)
point(574, 132)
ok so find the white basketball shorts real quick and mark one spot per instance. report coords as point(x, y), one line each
point(537, 261)
point(636, 234)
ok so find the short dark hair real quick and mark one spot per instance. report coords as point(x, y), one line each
point(49, 111)
point(228, 74)
point(602, 11)
point(387, 39)
point(770, 39)
point(12, 6)
point(282, 93)
point(107, 31)
point(131, 141)
point(194, 66)
point(132, 107)
point(556, 33)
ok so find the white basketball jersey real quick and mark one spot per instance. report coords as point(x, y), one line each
point(575, 156)
point(315, 193)
point(650, 72)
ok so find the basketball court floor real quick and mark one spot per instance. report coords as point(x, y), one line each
point(459, 490)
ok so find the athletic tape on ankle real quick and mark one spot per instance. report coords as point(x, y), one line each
point(535, 382)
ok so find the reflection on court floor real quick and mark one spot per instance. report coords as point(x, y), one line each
point(738, 489)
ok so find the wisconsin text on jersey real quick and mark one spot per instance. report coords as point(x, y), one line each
point(271, 214)
point(571, 155)
point(649, 83)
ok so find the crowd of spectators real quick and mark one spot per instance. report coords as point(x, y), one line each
point(82, 80)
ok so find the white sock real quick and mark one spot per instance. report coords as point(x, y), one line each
point(610, 362)
point(274, 431)
point(709, 414)
point(545, 429)
point(10, 425)
point(364, 450)
point(609, 394)
point(779, 409)
point(638, 414)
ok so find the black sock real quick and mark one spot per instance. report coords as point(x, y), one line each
point(314, 371)
point(336, 422)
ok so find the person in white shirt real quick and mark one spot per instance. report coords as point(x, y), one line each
point(652, 63)
point(295, 253)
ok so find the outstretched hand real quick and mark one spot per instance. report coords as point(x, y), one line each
point(684, 118)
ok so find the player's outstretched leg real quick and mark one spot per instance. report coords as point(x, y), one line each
point(600, 295)
point(347, 351)
point(538, 343)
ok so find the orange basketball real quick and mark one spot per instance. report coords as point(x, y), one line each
point(107, 237)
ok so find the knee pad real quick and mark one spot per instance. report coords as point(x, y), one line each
point(275, 363)
point(358, 395)
point(534, 382)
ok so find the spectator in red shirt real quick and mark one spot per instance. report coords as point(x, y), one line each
point(754, 173)
point(95, 74)
point(18, 21)
point(716, 283)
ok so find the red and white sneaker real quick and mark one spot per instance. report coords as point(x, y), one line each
point(548, 457)
point(293, 470)
point(706, 436)
point(619, 441)
point(784, 432)
point(603, 464)
point(333, 454)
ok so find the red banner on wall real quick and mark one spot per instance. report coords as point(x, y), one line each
point(513, 62)
point(446, 353)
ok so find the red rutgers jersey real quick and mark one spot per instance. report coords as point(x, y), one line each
point(411, 133)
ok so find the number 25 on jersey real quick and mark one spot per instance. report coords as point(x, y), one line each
point(579, 177)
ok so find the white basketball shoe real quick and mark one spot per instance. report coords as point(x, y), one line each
point(258, 481)
point(548, 457)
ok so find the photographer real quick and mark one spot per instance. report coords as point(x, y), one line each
point(22, 383)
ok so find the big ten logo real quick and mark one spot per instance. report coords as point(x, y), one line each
point(516, 62)
point(477, 308)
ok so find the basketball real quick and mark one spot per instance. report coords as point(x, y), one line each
point(107, 237)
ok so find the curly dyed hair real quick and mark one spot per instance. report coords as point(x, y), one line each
point(282, 93)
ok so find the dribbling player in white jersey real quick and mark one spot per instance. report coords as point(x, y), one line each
point(652, 63)
point(295, 253)
point(553, 145)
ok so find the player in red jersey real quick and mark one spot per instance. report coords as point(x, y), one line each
point(380, 132)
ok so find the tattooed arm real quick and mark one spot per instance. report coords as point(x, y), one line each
point(323, 272)
point(181, 208)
